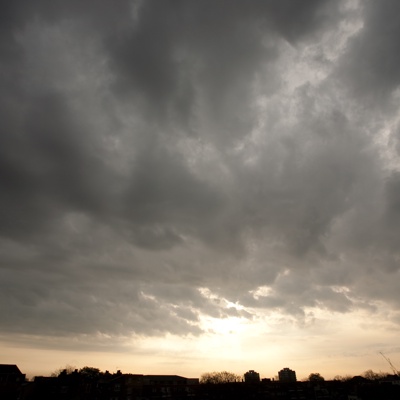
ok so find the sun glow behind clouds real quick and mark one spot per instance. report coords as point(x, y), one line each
point(267, 339)
point(330, 343)
point(225, 323)
point(224, 326)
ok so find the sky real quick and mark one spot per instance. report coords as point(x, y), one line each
point(192, 186)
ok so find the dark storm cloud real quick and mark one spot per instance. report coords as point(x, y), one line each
point(370, 67)
point(179, 53)
point(158, 161)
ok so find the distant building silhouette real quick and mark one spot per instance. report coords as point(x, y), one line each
point(11, 381)
point(252, 376)
point(287, 375)
point(106, 386)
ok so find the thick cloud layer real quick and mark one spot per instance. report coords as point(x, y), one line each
point(162, 160)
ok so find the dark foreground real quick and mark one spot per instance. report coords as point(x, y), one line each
point(118, 386)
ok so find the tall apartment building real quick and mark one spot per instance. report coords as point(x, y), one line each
point(252, 376)
point(287, 375)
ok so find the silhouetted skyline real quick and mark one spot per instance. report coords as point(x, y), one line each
point(90, 383)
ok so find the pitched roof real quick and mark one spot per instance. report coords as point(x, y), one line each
point(9, 369)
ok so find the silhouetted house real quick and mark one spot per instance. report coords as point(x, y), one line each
point(11, 380)
point(120, 386)
point(321, 393)
point(43, 388)
point(173, 386)
point(392, 379)
point(66, 386)
point(106, 386)
point(252, 377)
point(287, 375)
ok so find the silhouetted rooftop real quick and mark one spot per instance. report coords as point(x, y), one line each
point(9, 369)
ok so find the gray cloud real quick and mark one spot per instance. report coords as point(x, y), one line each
point(369, 68)
point(153, 149)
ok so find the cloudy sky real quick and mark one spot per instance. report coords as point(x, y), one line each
point(189, 186)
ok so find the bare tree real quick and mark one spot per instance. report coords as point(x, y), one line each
point(342, 378)
point(219, 377)
point(90, 372)
point(68, 369)
point(373, 376)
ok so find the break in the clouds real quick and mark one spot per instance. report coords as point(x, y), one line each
point(165, 162)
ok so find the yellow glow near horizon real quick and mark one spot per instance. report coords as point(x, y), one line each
point(328, 343)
